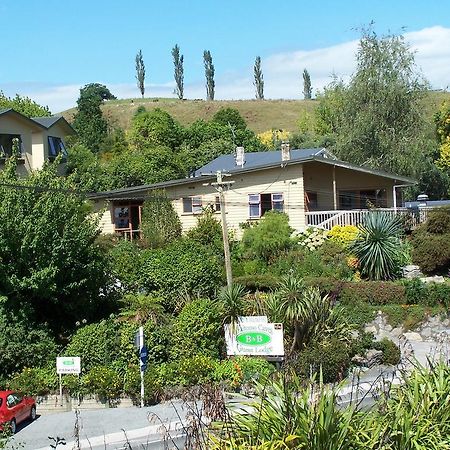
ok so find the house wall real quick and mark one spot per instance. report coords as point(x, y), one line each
point(319, 178)
point(9, 125)
point(287, 181)
point(104, 208)
point(38, 148)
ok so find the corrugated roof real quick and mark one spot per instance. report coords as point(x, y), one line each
point(227, 163)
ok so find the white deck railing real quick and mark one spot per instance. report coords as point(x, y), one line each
point(328, 219)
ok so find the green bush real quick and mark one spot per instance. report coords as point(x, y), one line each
point(197, 330)
point(437, 294)
point(104, 382)
point(35, 381)
point(187, 371)
point(373, 293)
point(391, 351)
point(96, 344)
point(326, 285)
point(182, 268)
point(263, 282)
point(431, 251)
point(415, 291)
point(207, 232)
point(359, 314)
point(330, 357)
point(152, 384)
point(268, 238)
point(438, 221)
point(125, 258)
point(22, 343)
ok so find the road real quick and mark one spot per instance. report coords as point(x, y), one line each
point(105, 429)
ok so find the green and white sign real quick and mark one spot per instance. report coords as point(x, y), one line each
point(255, 338)
point(68, 364)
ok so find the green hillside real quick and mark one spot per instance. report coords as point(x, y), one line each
point(260, 115)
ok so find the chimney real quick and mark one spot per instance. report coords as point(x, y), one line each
point(240, 156)
point(285, 151)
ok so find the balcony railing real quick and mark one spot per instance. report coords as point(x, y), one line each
point(328, 219)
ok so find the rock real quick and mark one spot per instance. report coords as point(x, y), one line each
point(411, 271)
point(374, 357)
point(354, 334)
point(426, 332)
point(359, 361)
point(370, 329)
point(388, 328)
point(435, 279)
point(396, 332)
point(412, 336)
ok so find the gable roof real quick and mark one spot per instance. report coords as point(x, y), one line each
point(32, 123)
point(48, 122)
point(253, 160)
point(268, 160)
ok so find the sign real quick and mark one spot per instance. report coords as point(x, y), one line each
point(143, 355)
point(68, 364)
point(255, 339)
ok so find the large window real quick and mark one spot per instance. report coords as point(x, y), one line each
point(259, 204)
point(362, 199)
point(192, 205)
point(56, 146)
point(127, 220)
point(9, 144)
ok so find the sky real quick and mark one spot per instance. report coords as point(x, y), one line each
point(51, 48)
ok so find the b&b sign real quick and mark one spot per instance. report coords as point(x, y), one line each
point(68, 364)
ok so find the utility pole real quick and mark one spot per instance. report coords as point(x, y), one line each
point(220, 185)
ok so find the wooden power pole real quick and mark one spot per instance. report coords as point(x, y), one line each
point(220, 185)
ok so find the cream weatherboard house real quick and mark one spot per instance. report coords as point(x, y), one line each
point(310, 185)
point(34, 140)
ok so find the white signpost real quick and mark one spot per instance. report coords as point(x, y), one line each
point(67, 365)
point(257, 338)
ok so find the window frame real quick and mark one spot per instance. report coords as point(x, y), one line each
point(192, 204)
point(56, 146)
point(256, 200)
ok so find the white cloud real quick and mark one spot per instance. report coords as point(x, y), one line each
point(282, 73)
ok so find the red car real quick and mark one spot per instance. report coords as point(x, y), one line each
point(15, 408)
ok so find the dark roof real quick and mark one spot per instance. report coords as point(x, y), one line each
point(207, 173)
point(22, 117)
point(48, 122)
point(227, 163)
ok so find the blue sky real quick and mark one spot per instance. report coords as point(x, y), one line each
point(52, 48)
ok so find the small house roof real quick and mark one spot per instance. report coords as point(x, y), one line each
point(32, 123)
point(48, 122)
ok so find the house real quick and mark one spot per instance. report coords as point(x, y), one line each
point(35, 140)
point(310, 185)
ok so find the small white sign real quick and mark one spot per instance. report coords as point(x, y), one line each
point(255, 339)
point(68, 364)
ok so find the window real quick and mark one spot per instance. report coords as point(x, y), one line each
point(127, 220)
point(362, 199)
point(192, 205)
point(217, 204)
point(311, 201)
point(56, 146)
point(259, 204)
point(10, 144)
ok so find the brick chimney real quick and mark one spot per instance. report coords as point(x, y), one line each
point(240, 156)
point(285, 151)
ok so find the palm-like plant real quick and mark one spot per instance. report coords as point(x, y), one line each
point(142, 308)
point(231, 299)
point(378, 246)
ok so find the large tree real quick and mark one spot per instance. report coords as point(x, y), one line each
point(178, 61)
point(259, 79)
point(88, 121)
point(377, 117)
point(307, 88)
point(209, 74)
point(51, 268)
point(23, 105)
point(140, 72)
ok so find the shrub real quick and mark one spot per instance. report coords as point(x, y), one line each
point(377, 246)
point(96, 344)
point(326, 285)
point(104, 382)
point(415, 291)
point(152, 385)
point(197, 330)
point(373, 293)
point(359, 314)
point(431, 251)
point(183, 268)
point(312, 238)
point(269, 237)
point(126, 263)
point(391, 351)
point(437, 294)
point(331, 357)
point(343, 234)
point(35, 381)
point(438, 221)
point(263, 282)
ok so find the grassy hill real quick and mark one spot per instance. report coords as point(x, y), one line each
point(260, 115)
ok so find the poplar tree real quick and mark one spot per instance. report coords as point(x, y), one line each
point(178, 61)
point(259, 79)
point(140, 72)
point(307, 88)
point(209, 74)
